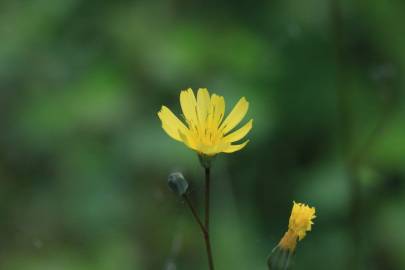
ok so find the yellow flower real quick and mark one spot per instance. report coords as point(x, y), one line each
point(203, 130)
point(300, 223)
point(301, 219)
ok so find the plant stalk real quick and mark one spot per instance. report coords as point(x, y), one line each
point(204, 227)
point(207, 198)
point(207, 217)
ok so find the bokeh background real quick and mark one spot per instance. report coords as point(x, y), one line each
point(84, 161)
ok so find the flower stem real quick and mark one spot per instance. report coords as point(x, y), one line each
point(203, 230)
point(209, 252)
point(207, 217)
point(195, 215)
point(207, 198)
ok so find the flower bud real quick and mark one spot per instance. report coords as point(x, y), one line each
point(280, 259)
point(177, 183)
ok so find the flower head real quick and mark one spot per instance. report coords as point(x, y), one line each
point(300, 223)
point(301, 219)
point(204, 129)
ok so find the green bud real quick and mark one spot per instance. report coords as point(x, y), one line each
point(205, 160)
point(177, 183)
point(280, 259)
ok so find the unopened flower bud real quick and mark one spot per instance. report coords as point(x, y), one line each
point(280, 259)
point(177, 183)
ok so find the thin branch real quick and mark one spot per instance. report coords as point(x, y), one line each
point(203, 230)
point(207, 198)
point(194, 212)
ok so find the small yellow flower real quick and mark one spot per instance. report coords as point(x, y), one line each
point(300, 223)
point(203, 130)
point(301, 219)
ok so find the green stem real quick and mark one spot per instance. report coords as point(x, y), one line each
point(204, 228)
point(207, 198)
point(204, 232)
point(195, 215)
point(207, 217)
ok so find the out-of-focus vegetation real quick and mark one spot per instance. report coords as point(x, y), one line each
point(84, 161)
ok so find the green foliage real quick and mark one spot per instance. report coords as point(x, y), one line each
point(83, 159)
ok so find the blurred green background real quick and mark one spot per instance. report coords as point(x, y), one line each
point(84, 161)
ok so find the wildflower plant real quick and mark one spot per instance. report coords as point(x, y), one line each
point(301, 221)
point(204, 128)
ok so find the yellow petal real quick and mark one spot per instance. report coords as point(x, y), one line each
point(212, 150)
point(236, 115)
point(188, 105)
point(233, 148)
point(207, 150)
point(188, 140)
point(240, 133)
point(171, 124)
point(203, 104)
point(217, 111)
